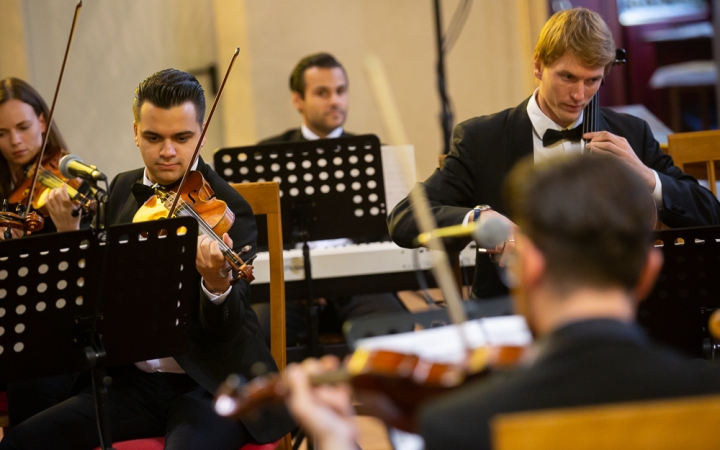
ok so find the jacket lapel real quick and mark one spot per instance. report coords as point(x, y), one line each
point(518, 137)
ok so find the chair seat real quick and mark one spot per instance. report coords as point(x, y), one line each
point(3, 410)
point(158, 443)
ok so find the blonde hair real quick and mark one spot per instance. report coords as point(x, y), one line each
point(579, 31)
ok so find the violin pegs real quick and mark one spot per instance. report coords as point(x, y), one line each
point(5, 205)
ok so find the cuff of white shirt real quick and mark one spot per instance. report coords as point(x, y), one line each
point(466, 220)
point(217, 299)
point(657, 192)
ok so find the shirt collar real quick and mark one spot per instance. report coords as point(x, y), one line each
point(147, 182)
point(540, 122)
point(310, 136)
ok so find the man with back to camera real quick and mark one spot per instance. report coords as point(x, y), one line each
point(573, 54)
point(319, 92)
point(584, 258)
point(173, 396)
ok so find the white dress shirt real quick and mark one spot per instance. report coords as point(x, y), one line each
point(541, 123)
point(310, 136)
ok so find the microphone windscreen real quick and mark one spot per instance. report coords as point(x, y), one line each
point(492, 233)
point(64, 162)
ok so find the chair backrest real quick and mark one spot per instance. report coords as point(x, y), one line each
point(687, 423)
point(264, 199)
point(696, 147)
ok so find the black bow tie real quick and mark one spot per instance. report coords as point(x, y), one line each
point(552, 136)
point(141, 192)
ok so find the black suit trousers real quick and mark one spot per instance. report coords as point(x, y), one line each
point(142, 405)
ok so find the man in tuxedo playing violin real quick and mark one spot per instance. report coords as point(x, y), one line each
point(173, 396)
point(574, 53)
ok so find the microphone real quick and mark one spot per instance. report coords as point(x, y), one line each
point(71, 166)
point(492, 233)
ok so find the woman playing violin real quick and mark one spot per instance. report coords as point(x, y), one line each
point(23, 116)
point(22, 125)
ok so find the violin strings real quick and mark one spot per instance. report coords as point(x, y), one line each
point(183, 207)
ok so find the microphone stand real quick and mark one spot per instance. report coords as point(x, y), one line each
point(446, 116)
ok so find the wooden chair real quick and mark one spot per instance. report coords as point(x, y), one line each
point(264, 198)
point(690, 151)
point(688, 424)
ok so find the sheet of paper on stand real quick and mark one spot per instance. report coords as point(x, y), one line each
point(443, 344)
point(396, 184)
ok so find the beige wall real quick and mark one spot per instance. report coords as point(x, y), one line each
point(118, 43)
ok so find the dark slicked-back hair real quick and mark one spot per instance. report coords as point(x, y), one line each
point(169, 88)
point(324, 60)
point(17, 89)
point(592, 218)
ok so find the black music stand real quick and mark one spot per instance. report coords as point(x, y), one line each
point(687, 290)
point(329, 189)
point(71, 302)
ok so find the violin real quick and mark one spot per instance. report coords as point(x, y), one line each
point(197, 199)
point(26, 190)
point(390, 385)
point(32, 223)
point(51, 178)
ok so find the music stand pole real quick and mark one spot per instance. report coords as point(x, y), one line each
point(311, 311)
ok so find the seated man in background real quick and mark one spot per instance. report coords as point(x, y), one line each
point(319, 91)
point(584, 257)
point(574, 53)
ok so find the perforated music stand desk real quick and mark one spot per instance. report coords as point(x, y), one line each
point(51, 286)
point(329, 189)
point(687, 290)
point(333, 188)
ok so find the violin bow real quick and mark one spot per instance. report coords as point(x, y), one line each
point(202, 134)
point(426, 222)
point(48, 126)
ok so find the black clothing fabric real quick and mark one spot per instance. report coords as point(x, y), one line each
point(29, 397)
point(224, 339)
point(291, 135)
point(485, 149)
point(584, 363)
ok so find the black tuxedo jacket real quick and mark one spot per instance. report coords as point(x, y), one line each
point(483, 151)
point(291, 135)
point(225, 338)
point(585, 363)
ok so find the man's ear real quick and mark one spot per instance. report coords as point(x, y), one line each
point(532, 263)
point(649, 274)
point(537, 69)
point(135, 133)
point(297, 101)
point(202, 127)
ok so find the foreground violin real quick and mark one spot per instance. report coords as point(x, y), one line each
point(389, 385)
point(198, 200)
